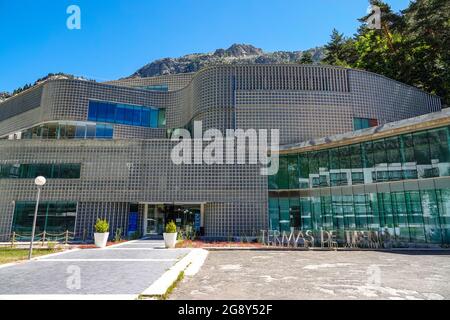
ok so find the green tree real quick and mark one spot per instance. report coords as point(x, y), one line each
point(411, 47)
point(427, 26)
point(306, 58)
point(339, 50)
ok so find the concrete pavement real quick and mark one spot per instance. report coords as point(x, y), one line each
point(349, 275)
point(124, 270)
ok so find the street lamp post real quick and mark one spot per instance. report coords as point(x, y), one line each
point(40, 182)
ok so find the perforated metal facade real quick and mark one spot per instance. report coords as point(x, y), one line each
point(304, 102)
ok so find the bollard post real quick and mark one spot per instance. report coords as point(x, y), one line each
point(13, 241)
point(67, 237)
point(43, 238)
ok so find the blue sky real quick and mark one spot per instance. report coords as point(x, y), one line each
point(119, 36)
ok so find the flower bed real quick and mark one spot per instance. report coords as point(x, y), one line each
point(92, 246)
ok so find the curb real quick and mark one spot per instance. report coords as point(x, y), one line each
point(190, 264)
point(326, 249)
point(79, 297)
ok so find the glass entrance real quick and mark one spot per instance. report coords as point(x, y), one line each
point(155, 220)
point(186, 217)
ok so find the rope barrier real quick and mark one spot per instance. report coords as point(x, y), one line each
point(42, 237)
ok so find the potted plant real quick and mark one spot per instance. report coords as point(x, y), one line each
point(170, 236)
point(101, 233)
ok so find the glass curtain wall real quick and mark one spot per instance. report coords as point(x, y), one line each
point(126, 114)
point(53, 217)
point(421, 216)
point(68, 130)
point(419, 155)
point(31, 171)
point(397, 183)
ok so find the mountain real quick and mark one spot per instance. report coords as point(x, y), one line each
point(236, 54)
point(4, 96)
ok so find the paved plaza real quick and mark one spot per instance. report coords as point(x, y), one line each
point(253, 274)
point(125, 270)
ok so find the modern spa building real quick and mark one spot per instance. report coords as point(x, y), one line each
point(105, 149)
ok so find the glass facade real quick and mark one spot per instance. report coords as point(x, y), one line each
point(53, 217)
point(409, 216)
point(397, 184)
point(363, 123)
point(67, 130)
point(156, 87)
point(419, 155)
point(126, 114)
point(31, 171)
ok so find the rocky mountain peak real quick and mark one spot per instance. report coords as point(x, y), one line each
point(235, 54)
point(239, 50)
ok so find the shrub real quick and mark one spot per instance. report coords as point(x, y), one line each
point(118, 235)
point(101, 226)
point(171, 227)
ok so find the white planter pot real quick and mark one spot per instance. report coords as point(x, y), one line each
point(101, 239)
point(170, 239)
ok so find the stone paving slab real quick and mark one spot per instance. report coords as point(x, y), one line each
point(120, 253)
point(319, 275)
point(155, 244)
point(109, 271)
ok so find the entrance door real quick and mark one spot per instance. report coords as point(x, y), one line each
point(155, 220)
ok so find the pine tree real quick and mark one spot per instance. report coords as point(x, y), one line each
point(306, 58)
point(339, 50)
point(428, 29)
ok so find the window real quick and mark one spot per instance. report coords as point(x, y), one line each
point(421, 148)
point(69, 130)
point(156, 87)
point(379, 152)
point(410, 174)
point(439, 144)
point(357, 177)
point(140, 116)
point(274, 214)
point(363, 123)
point(53, 217)
point(293, 172)
point(31, 171)
point(146, 117)
point(104, 131)
point(338, 179)
point(80, 132)
point(283, 179)
point(393, 150)
point(162, 118)
point(137, 111)
point(154, 118)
